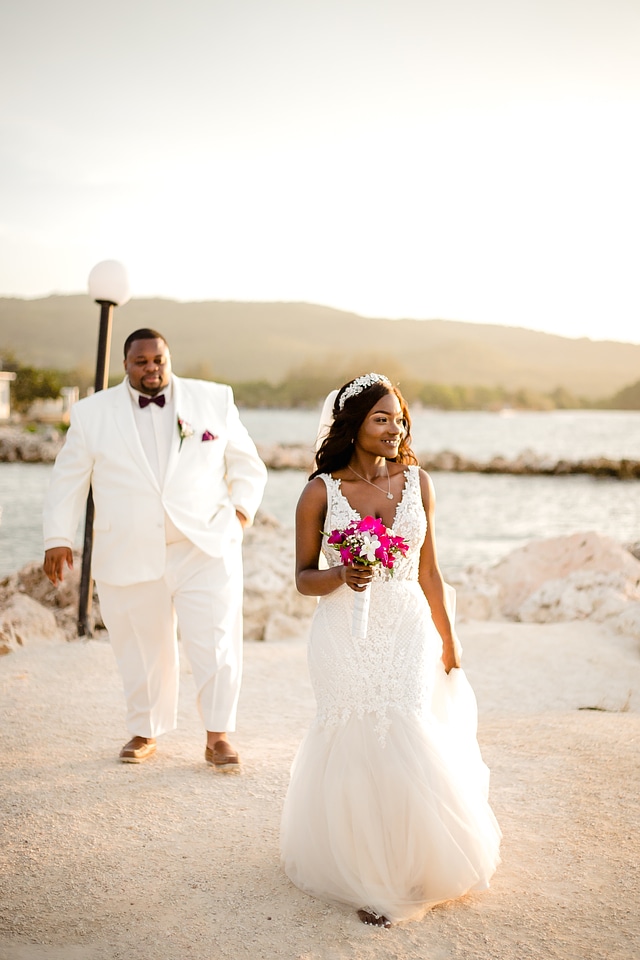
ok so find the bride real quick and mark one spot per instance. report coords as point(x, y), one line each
point(387, 806)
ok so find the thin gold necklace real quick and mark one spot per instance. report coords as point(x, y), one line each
point(360, 477)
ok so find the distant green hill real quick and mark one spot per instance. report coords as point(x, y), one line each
point(266, 341)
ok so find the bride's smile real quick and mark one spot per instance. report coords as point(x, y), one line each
point(382, 431)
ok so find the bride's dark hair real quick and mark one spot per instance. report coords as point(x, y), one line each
point(337, 447)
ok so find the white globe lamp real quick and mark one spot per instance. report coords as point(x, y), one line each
point(108, 286)
point(109, 283)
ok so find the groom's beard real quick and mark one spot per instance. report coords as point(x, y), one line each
point(159, 383)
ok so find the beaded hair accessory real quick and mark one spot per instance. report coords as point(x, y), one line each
point(358, 385)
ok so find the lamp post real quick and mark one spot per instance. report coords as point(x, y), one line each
point(108, 286)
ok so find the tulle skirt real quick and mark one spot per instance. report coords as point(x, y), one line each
point(393, 825)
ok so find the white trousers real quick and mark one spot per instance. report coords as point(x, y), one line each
point(201, 595)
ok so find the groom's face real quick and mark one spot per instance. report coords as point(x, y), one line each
point(148, 366)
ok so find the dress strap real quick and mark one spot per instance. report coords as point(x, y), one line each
point(328, 556)
point(328, 480)
point(329, 483)
point(413, 482)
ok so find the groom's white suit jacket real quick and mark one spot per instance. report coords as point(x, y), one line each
point(205, 480)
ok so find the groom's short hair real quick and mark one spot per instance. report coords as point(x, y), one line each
point(145, 333)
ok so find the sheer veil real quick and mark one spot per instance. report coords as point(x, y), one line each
point(326, 418)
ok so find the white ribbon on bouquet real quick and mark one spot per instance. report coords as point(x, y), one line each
point(360, 616)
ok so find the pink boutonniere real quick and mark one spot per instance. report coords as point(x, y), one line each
point(185, 430)
point(208, 436)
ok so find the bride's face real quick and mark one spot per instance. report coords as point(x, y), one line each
point(383, 428)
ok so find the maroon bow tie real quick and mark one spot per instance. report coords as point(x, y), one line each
point(145, 401)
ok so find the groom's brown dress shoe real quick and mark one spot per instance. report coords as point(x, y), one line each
point(138, 750)
point(223, 757)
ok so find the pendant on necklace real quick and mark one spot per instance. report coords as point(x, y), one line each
point(389, 495)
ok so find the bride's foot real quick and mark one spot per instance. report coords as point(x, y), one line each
point(373, 919)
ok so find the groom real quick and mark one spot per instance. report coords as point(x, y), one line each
point(175, 477)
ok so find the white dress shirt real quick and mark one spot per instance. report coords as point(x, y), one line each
point(156, 426)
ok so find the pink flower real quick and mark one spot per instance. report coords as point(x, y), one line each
point(400, 544)
point(185, 430)
point(382, 554)
point(366, 523)
point(346, 556)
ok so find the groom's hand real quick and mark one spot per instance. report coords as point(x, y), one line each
point(54, 561)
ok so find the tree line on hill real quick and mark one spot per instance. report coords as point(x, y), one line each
point(297, 391)
point(307, 386)
point(240, 342)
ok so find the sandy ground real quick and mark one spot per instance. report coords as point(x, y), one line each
point(170, 861)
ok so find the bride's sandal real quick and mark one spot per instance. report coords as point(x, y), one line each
point(373, 919)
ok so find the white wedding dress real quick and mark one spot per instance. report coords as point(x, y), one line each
point(387, 806)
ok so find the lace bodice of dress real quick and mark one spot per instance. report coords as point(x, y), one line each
point(410, 522)
point(389, 669)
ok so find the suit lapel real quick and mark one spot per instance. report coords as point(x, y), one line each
point(183, 412)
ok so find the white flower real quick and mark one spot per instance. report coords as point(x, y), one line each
point(370, 544)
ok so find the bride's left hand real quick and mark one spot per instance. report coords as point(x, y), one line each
point(450, 656)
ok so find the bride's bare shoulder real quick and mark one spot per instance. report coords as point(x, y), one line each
point(313, 494)
point(312, 505)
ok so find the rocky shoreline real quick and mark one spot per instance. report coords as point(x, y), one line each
point(585, 576)
point(22, 446)
point(30, 446)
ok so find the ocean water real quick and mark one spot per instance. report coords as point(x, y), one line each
point(479, 518)
point(570, 434)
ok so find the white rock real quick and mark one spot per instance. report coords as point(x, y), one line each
point(477, 595)
point(272, 606)
point(280, 626)
point(23, 619)
point(582, 594)
point(627, 622)
point(525, 570)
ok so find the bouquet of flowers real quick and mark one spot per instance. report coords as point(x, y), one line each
point(369, 542)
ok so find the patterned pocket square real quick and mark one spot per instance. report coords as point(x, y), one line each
point(208, 436)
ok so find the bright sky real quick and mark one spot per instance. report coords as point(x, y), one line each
point(471, 160)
